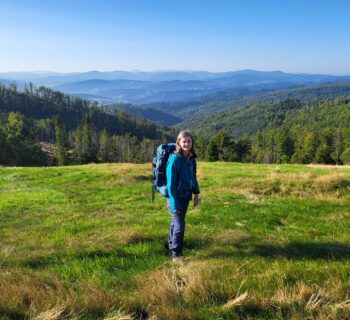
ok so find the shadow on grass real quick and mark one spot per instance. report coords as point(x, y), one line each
point(308, 250)
point(12, 314)
point(196, 243)
point(293, 250)
point(42, 261)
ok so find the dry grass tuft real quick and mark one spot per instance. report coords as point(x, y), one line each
point(287, 297)
point(119, 315)
point(43, 296)
point(95, 300)
point(23, 292)
point(317, 301)
point(237, 301)
point(176, 287)
point(330, 182)
point(56, 313)
point(343, 305)
point(326, 187)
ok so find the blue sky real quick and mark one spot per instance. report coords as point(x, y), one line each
point(75, 35)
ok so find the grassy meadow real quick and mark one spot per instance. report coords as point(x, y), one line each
point(86, 242)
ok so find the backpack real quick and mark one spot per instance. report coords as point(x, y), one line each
point(159, 163)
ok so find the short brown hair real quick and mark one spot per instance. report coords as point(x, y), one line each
point(183, 134)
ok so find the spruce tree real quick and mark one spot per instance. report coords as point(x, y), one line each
point(212, 153)
point(61, 143)
point(104, 147)
point(87, 149)
point(285, 146)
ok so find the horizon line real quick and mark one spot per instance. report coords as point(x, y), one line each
point(170, 70)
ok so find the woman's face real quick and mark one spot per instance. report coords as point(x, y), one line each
point(185, 143)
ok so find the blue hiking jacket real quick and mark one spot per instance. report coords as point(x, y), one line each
point(181, 179)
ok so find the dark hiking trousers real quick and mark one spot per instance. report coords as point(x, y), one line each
point(177, 229)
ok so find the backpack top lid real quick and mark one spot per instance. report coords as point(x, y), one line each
point(163, 152)
point(168, 147)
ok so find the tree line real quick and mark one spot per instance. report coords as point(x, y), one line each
point(36, 128)
point(330, 145)
point(40, 126)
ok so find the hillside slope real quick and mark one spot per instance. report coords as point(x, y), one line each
point(240, 96)
point(86, 242)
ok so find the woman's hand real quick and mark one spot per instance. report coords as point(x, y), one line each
point(196, 200)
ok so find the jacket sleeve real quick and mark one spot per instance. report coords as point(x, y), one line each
point(172, 175)
point(195, 188)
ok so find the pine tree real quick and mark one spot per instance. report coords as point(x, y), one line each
point(337, 146)
point(323, 154)
point(224, 145)
point(200, 145)
point(88, 153)
point(145, 151)
point(309, 147)
point(285, 146)
point(345, 156)
point(212, 153)
point(104, 152)
point(258, 147)
point(243, 147)
point(61, 143)
point(77, 151)
point(4, 154)
point(22, 147)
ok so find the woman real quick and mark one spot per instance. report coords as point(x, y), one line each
point(181, 183)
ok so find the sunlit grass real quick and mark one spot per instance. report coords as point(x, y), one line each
point(86, 242)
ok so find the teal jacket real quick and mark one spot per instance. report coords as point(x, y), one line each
point(181, 173)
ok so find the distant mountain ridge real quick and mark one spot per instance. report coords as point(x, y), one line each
point(142, 87)
point(205, 106)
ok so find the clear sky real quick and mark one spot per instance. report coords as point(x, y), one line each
point(216, 35)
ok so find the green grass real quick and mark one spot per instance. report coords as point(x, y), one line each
point(86, 242)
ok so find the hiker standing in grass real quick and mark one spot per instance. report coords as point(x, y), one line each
point(181, 184)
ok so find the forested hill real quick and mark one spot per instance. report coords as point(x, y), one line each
point(288, 131)
point(155, 115)
point(44, 103)
point(40, 126)
point(238, 97)
point(292, 112)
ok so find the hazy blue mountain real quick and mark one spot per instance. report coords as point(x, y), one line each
point(27, 76)
point(150, 90)
point(5, 81)
point(148, 87)
point(129, 75)
point(140, 91)
point(19, 84)
point(252, 77)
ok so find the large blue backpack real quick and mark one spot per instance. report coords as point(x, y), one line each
point(159, 163)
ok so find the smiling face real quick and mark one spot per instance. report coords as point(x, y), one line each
point(185, 144)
